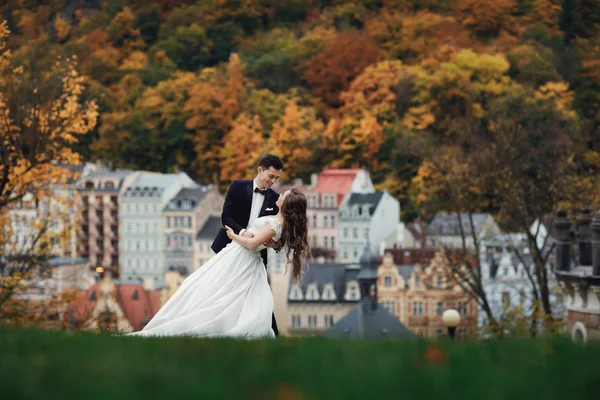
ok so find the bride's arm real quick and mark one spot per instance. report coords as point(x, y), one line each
point(261, 237)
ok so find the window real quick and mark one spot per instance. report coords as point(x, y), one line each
point(137, 244)
point(417, 308)
point(353, 293)
point(325, 242)
point(345, 254)
point(314, 221)
point(189, 222)
point(333, 242)
point(417, 281)
point(189, 241)
point(345, 235)
point(390, 306)
point(312, 321)
point(387, 281)
point(440, 282)
point(328, 320)
point(354, 233)
point(332, 221)
point(463, 307)
point(296, 321)
point(440, 308)
point(168, 222)
point(325, 221)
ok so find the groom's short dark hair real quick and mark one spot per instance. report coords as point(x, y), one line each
point(270, 160)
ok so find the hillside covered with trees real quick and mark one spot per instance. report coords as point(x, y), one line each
point(450, 104)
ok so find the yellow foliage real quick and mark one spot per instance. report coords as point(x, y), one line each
point(559, 92)
point(293, 138)
point(242, 148)
point(135, 61)
point(62, 27)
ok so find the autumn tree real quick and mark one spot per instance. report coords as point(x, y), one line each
point(294, 137)
point(242, 148)
point(330, 72)
point(486, 18)
point(213, 104)
point(41, 117)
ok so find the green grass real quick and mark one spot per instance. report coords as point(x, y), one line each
point(54, 365)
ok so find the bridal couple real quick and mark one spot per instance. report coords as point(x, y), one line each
point(229, 295)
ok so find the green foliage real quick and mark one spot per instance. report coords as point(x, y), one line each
point(188, 47)
point(290, 368)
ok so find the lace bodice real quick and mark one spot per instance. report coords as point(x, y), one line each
point(260, 223)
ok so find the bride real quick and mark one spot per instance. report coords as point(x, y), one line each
point(230, 295)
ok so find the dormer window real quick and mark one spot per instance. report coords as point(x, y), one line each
point(352, 292)
point(387, 281)
point(109, 185)
point(312, 293)
point(296, 293)
point(328, 293)
point(417, 281)
point(89, 185)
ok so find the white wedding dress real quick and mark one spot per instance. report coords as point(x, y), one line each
point(227, 296)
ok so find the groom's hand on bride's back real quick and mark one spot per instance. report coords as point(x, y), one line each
point(273, 244)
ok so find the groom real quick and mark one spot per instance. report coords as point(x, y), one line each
point(248, 200)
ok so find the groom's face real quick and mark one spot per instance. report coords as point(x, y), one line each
point(267, 177)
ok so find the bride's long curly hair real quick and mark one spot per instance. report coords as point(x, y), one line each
point(294, 236)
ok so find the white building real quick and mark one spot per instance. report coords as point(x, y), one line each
point(366, 219)
point(505, 276)
point(141, 225)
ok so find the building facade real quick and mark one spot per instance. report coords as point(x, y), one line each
point(418, 295)
point(183, 218)
point(326, 194)
point(141, 228)
point(98, 216)
point(445, 230)
point(580, 278)
point(366, 219)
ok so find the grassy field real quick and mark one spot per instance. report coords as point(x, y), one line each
point(54, 365)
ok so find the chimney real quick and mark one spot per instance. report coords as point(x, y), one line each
point(584, 220)
point(596, 244)
point(562, 226)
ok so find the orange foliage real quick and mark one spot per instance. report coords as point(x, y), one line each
point(414, 37)
point(242, 148)
point(213, 104)
point(330, 72)
point(485, 17)
point(293, 138)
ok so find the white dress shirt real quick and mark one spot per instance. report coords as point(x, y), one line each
point(257, 203)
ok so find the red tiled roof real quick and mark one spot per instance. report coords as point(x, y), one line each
point(138, 309)
point(81, 308)
point(336, 181)
point(136, 304)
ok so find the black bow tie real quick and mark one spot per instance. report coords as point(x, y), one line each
point(257, 190)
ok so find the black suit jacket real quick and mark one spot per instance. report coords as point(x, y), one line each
point(236, 211)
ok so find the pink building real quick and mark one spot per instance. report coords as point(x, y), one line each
point(328, 191)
